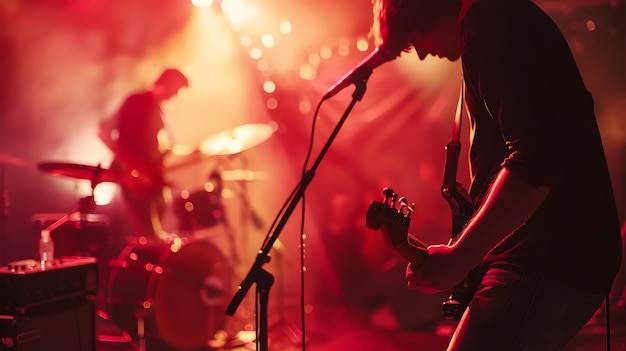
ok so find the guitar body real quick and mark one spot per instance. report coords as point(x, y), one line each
point(462, 208)
point(141, 179)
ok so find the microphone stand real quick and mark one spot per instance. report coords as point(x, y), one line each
point(259, 276)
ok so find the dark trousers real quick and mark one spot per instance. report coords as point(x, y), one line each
point(522, 311)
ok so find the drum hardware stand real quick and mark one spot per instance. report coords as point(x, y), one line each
point(4, 214)
point(141, 328)
point(257, 274)
point(241, 191)
point(84, 206)
point(231, 240)
point(248, 212)
point(215, 178)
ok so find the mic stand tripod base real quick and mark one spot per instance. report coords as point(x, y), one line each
point(264, 282)
point(288, 329)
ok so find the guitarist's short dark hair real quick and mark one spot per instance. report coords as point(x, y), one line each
point(395, 19)
point(174, 77)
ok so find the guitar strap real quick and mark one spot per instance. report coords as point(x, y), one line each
point(453, 149)
point(456, 132)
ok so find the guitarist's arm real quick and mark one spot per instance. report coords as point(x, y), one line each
point(510, 202)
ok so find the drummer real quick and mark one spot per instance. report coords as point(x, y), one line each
point(138, 137)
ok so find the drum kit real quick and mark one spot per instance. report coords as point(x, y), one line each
point(171, 294)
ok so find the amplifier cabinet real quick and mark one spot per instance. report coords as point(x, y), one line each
point(68, 326)
point(48, 309)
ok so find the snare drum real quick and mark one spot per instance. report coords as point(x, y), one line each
point(176, 292)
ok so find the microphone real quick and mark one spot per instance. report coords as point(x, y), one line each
point(376, 58)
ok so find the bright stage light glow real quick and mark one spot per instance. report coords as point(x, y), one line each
point(201, 3)
point(362, 45)
point(103, 193)
point(238, 11)
point(269, 87)
point(285, 26)
point(307, 72)
point(267, 40)
point(256, 53)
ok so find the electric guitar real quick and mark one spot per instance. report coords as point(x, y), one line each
point(393, 218)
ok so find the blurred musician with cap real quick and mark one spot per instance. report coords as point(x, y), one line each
point(138, 137)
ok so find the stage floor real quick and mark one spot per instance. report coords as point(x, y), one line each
point(333, 328)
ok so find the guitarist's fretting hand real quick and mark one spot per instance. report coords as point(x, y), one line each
point(493, 221)
point(393, 217)
point(428, 274)
point(441, 271)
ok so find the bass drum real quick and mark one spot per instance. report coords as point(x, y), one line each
point(173, 295)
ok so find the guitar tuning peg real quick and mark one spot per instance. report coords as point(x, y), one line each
point(388, 192)
point(403, 204)
point(410, 209)
point(405, 209)
point(390, 197)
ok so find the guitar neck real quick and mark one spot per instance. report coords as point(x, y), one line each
point(394, 226)
point(412, 250)
point(413, 254)
point(461, 206)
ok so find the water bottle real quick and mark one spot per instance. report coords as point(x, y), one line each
point(46, 249)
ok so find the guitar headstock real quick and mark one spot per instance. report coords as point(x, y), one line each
point(392, 216)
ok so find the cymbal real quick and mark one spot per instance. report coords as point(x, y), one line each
point(96, 174)
point(236, 140)
point(6, 158)
point(243, 175)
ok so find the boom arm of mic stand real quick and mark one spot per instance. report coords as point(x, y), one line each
point(262, 256)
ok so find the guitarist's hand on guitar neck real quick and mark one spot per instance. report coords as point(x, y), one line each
point(393, 217)
point(432, 268)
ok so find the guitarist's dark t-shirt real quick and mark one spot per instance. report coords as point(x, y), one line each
point(531, 113)
point(138, 124)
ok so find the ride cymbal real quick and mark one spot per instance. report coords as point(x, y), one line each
point(236, 140)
